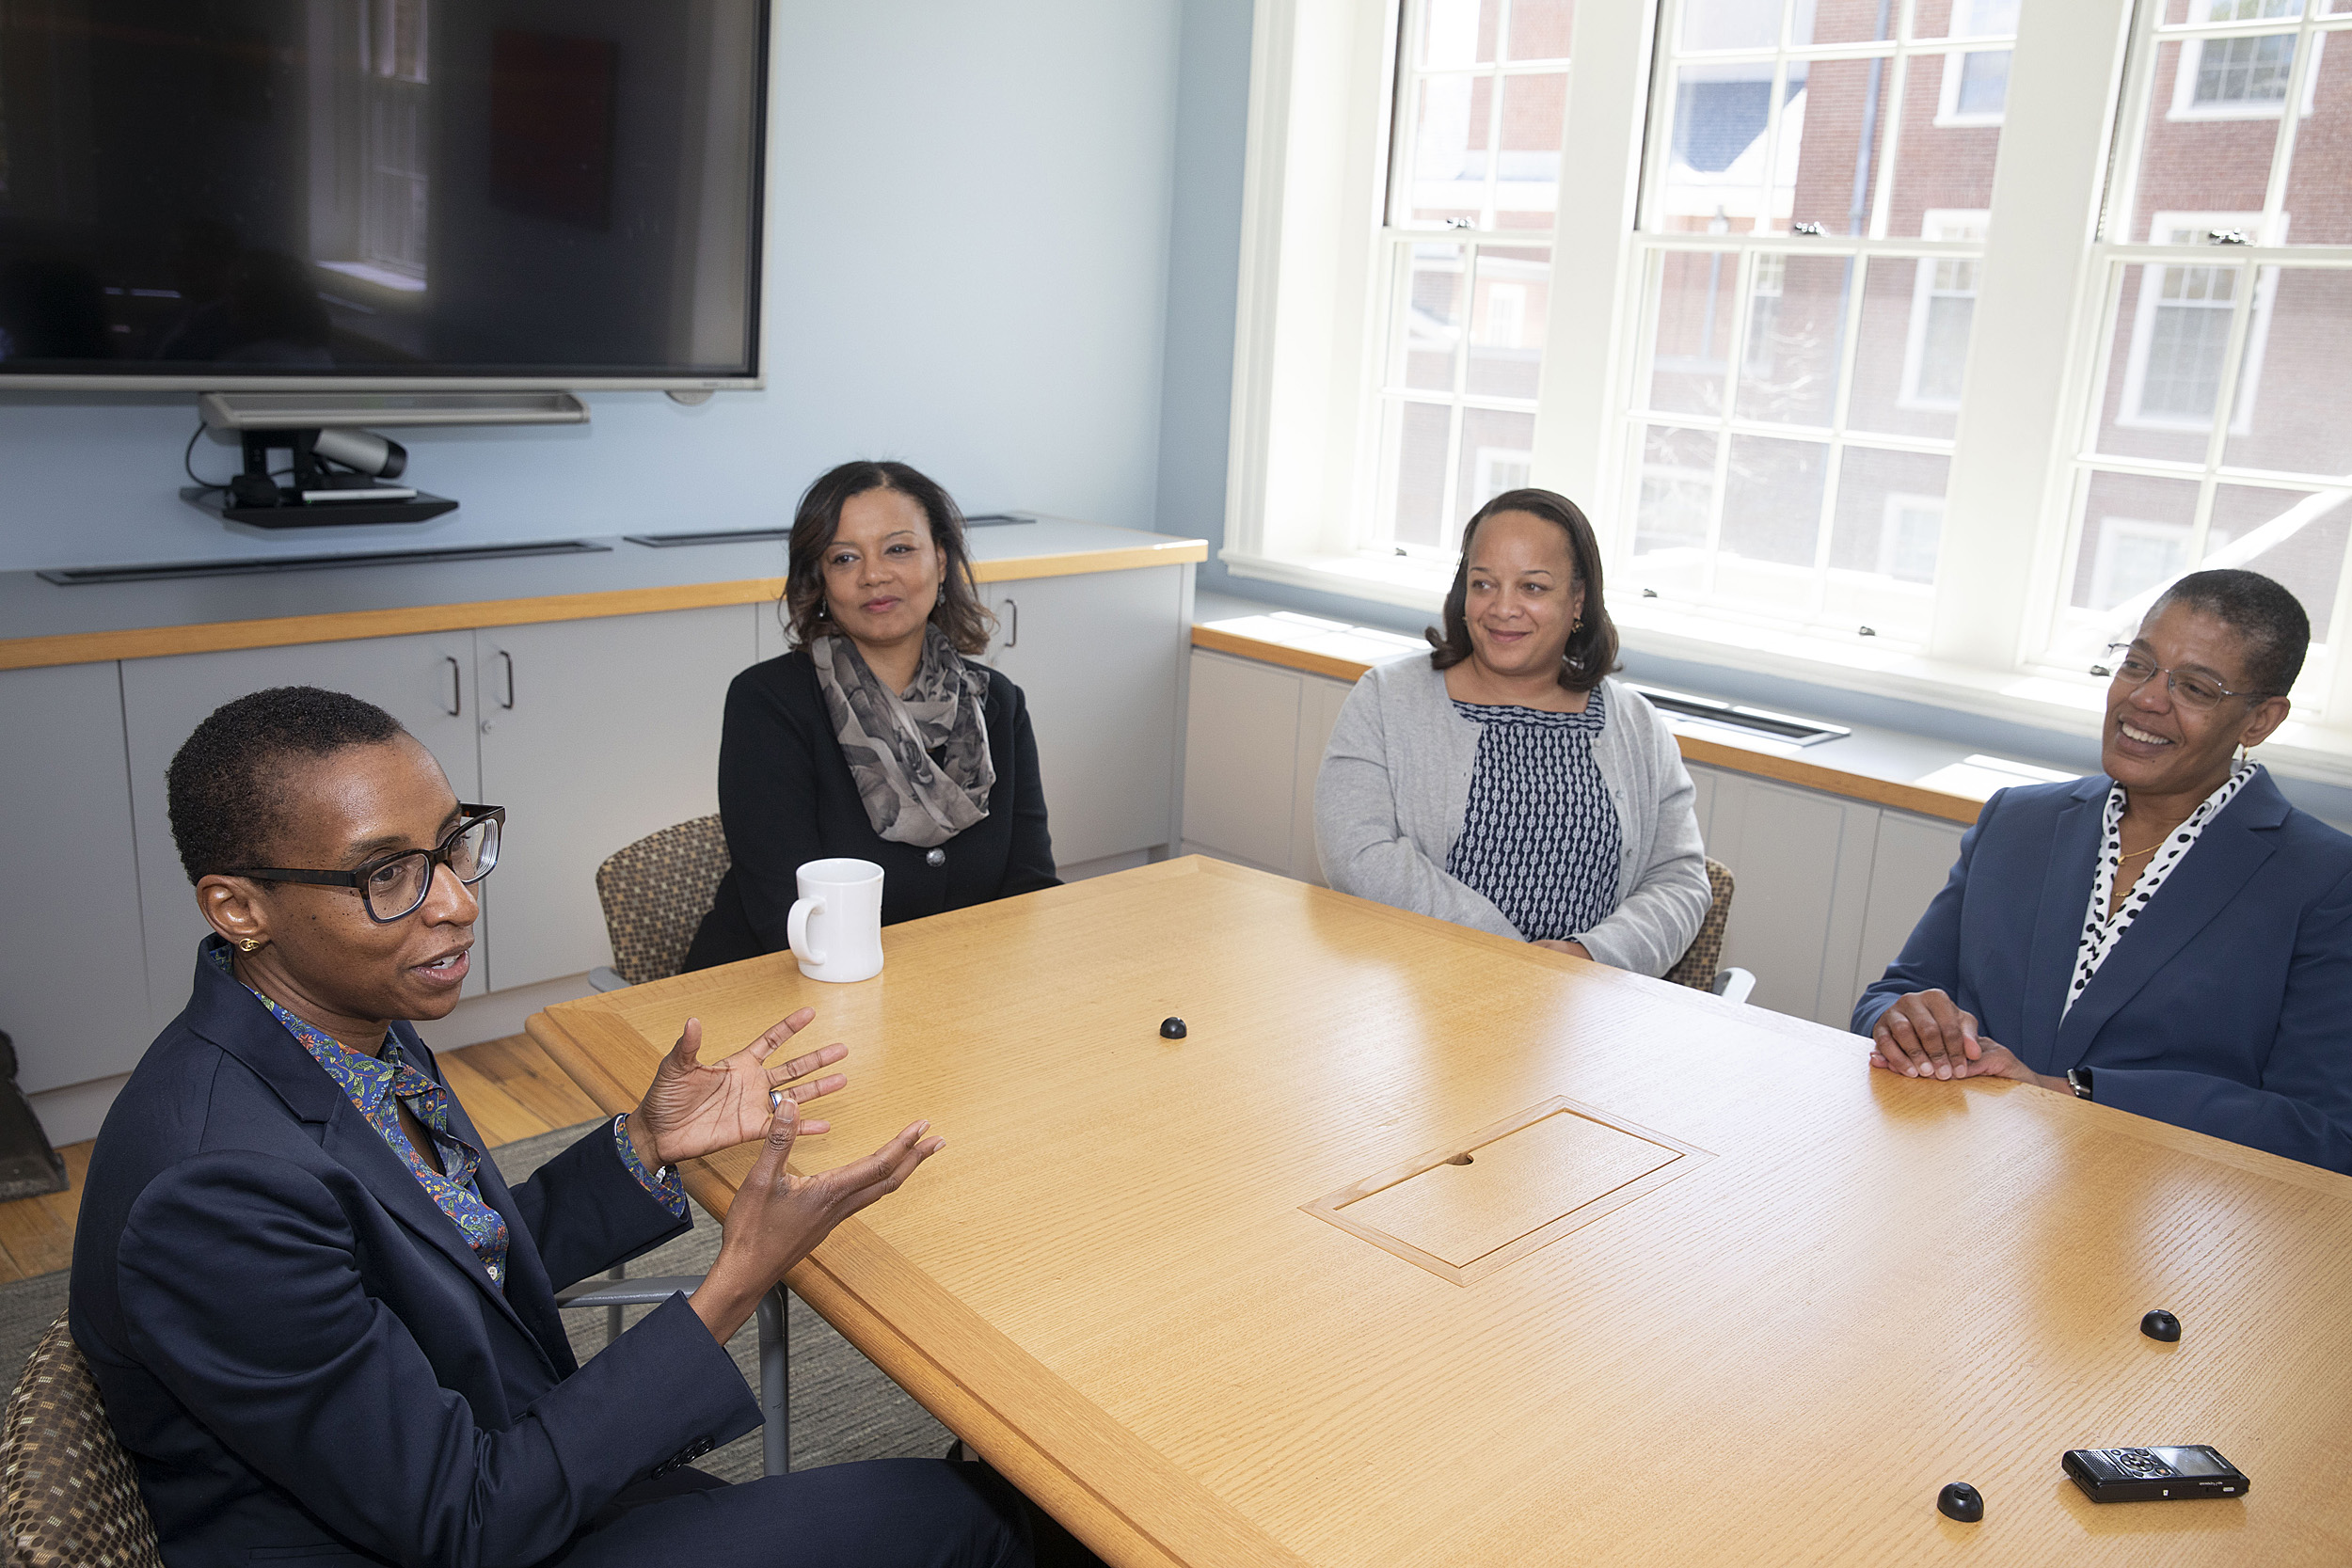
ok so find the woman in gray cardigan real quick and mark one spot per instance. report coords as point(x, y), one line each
point(1505, 783)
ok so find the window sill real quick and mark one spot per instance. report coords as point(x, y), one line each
point(2042, 699)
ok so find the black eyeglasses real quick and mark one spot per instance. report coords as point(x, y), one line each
point(393, 887)
point(2191, 691)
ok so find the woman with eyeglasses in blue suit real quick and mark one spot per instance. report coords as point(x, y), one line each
point(323, 1325)
point(2170, 935)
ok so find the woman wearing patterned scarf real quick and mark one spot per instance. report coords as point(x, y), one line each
point(875, 737)
point(2167, 936)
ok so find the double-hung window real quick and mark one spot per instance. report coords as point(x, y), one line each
point(1817, 192)
point(1907, 345)
point(1465, 260)
point(2213, 432)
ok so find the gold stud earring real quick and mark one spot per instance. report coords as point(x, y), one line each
point(250, 945)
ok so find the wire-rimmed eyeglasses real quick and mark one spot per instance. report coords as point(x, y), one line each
point(2190, 688)
point(393, 887)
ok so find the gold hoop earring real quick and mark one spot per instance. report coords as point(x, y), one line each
point(250, 945)
point(1576, 626)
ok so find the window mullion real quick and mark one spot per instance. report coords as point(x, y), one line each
point(1882, 198)
point(2282, 151)
point(2011, 451)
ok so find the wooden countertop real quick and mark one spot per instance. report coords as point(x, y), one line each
point(1425, 1247)
point(1933, 779)
point(48, 623)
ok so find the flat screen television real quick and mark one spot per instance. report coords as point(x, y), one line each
point(411, 194)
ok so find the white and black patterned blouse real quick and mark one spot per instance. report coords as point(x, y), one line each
point(1540, 837)
point(2100, 933)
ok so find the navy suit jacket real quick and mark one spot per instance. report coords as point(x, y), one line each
point(300, 1350)
point(2226, 1007)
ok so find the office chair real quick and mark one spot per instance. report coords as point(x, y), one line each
point(69, 1495)
point(1698, 967)
point(655, 893)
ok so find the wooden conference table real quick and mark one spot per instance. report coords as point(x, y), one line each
point(1705, 1290)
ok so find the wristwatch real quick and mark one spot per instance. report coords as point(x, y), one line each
point(2078, 1078)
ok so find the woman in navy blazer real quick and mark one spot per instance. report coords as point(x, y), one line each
point(322, 1324)
point(2171, 937)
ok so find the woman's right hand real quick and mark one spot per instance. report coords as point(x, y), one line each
point(1926, 1035)
point(778, 1218)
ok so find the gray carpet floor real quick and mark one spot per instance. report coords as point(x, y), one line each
point(843, 1406)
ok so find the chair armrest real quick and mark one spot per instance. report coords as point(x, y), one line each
point(603, 978)
point(650, 1292)
point(1733, 985)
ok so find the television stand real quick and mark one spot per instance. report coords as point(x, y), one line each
point(295, 513)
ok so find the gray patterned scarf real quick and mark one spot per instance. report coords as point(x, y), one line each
point(920, 762)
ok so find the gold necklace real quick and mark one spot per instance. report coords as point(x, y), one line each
point(2123, 854)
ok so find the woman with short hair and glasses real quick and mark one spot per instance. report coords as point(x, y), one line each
point(880, 736)
point(323, 1324)
point(2169, 936)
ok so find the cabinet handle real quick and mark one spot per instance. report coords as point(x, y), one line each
point(1014, 640)
point(508, 701)
point(457, 691)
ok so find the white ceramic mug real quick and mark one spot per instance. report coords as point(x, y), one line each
point(843, 899)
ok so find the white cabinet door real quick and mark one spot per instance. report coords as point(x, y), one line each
point(1915, 856)
point(1702, 779)
point(1801, 863)
point(425, 681)
point(1242, 752)
point(73, 967)
point(594, 734)
point(1319, 701)
point(1101, 658)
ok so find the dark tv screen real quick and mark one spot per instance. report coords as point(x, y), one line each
point(224, 192)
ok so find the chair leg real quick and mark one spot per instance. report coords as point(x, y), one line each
point(613, 1314)
point(775, 1382)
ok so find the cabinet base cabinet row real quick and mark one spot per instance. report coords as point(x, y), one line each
point(591, 733)
point(1827, 888)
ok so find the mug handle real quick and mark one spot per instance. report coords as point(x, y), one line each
point(796, 930)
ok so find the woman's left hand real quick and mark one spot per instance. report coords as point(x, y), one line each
point(695, 1107)
point(1996, 1061)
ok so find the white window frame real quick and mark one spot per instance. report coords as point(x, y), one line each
point(1323, 73)
point(1936, 223)
point(1898, 504)
point(2184, 105)
point(1966, 39)
point(2130, 415)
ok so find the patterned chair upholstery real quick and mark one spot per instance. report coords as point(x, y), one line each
point(655, 893)
point(69, 1496)
point(1697, 967)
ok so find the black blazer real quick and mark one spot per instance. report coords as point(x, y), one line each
point(299, 1349)
point(786, 798)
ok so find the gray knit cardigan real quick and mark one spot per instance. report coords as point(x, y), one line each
point(1394, 787)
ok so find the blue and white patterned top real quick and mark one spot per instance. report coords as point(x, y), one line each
point(2101, 930)
point(374, 1084)
point(1540, 837)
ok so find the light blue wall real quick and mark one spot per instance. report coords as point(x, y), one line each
point(1203, 271)
point(967, 268)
